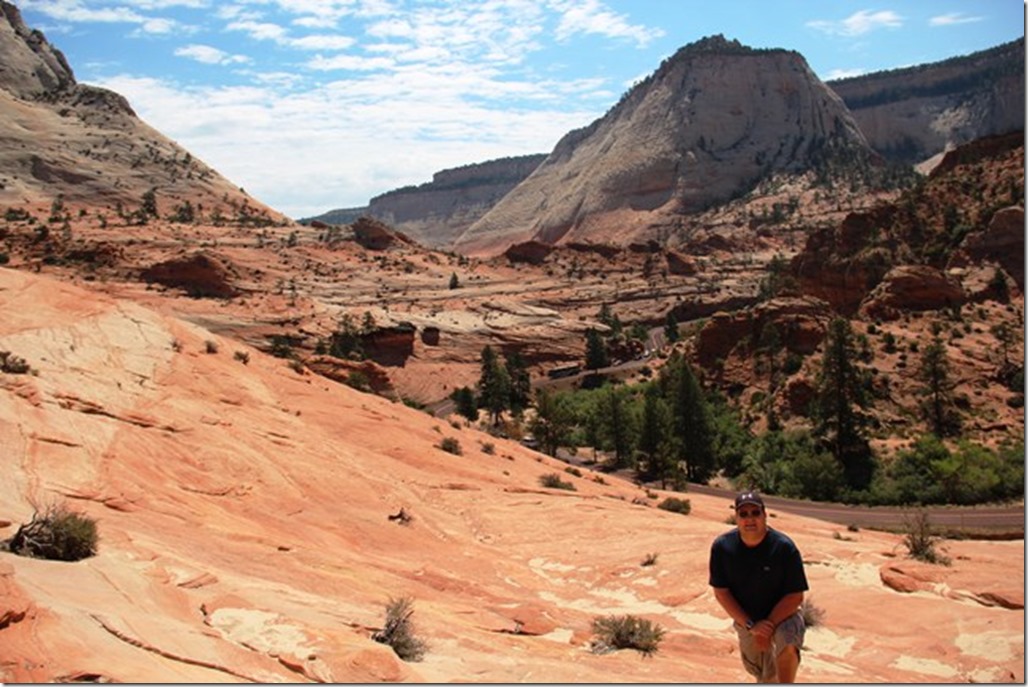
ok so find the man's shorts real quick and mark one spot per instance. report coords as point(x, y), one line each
point(761, 664)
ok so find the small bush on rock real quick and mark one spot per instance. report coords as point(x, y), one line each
point(676, 505)
point(399, 631)
point(626, 632)
point(58, 534)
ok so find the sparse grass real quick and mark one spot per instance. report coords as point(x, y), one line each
point(920, 541)
point(57, 534)
point(651, 559)
point(813, 615)
point(676, 505)
point(553, 481)
point(626, 632)
point(451, 445)
point(398, 631)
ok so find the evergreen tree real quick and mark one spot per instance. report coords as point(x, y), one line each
point(595, 351)
point(618, 425)
point(671, 327)
point(693, 426)
point(656, 438)
point(493, 386)
point(454, 281)
point(839, 402)
point(520, 383)
point(938, 405)
point(553, 422)
point(467, 406)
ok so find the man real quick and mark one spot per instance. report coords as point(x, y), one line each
point(757, 576)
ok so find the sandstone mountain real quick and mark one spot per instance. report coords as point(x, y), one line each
point(714, 120)
point(909, 115)
point(82, 144)
point(435, 213)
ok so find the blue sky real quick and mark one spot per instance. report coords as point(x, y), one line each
point(312, 105)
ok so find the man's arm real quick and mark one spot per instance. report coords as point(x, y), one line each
point(727, 600)
point(785, 607)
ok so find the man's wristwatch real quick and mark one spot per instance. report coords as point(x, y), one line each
point(750, 624)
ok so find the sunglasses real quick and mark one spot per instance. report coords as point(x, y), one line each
point(749, 513)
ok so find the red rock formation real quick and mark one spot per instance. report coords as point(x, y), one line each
point(201, 275)
point(911, 288)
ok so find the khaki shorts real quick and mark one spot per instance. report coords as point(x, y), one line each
point(761, 664)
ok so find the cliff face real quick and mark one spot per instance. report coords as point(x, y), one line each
point(708, 124)
point(436, 213)
point(909, 115)
point(85, 145)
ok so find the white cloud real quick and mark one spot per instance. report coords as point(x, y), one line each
point(859, 23)
point(209, 55)
point(952, 19)
point(322, 42)
point(261, 31)
point(844, 73)
point(591, 16)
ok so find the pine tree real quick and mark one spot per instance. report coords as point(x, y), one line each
point(671, 327)
point(493, 386)
point(656, 438)
point(553, 422)
point(520, 383)
point(467, 406)
point(693, 426)
point(617, 425)
point(595, 351)
point(938, 406)
point(839, 402)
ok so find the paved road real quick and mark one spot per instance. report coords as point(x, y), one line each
point(1000, 519)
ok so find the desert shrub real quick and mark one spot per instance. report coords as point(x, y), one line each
point(920, 541)
point(676, 505)
point(12, 364)
point(626, 632)
point(553, 481)
point(242, 356)
point(451, 445)
point(651, 559)
point(358, 380)
point(489, 448)
point(572, 470)
point(210, 346)
point(813, 615)
point(58, 534)
point(398, 631)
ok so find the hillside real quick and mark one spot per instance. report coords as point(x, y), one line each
point(912, 114)
point(711, 123)
point(245, 535)
point(85, 145)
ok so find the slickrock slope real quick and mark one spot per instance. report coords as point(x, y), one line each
point(909, 115)
point(244, 513)
point(79, 143)
point(710, 123)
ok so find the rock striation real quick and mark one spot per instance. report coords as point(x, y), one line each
point(711, 122)
point(909, 115)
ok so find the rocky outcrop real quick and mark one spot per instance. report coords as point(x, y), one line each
point(708, 124)
point(909, 115)
point(532, 252)
point(1002, 243)
point(374, 235)
point(799, 324)
point(29, 66)
point(911, 288)
point(200, 275)
point(390, 346)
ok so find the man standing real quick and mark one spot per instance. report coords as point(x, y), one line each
point(757, 576)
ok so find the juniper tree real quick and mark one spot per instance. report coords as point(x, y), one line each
point(553, 422)
point(839, 403)
point(493, 386)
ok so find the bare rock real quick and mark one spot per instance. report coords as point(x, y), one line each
point(200, 274)
point(911, 288)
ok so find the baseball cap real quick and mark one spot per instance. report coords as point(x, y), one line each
point(749, 497)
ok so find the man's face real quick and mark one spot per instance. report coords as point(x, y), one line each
point(751, 519)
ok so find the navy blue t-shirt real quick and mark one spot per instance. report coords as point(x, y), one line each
point(760, 576)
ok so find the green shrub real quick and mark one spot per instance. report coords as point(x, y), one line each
point(553, 481)
point(489, 448)
point(451, 445)
point(57, 535)
point(210, 346)
point(676, 505)
point(626, 632)
point(399, 631)
point(242, 356)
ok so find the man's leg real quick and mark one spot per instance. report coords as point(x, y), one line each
point(788, 662)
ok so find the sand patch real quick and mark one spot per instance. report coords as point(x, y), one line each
point(925, 666)
point(261, 631)
point(994, 646)
point(823, 641)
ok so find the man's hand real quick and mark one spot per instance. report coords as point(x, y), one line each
point(762, 633)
